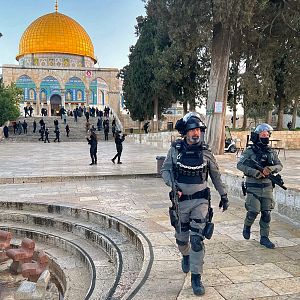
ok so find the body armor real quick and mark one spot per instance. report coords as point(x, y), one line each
point(190, 166)
point(264, 156)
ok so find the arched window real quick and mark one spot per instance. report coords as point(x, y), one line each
point(69, 96)
point(31, 94)
point(79, 95)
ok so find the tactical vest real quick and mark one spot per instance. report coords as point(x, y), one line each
point(264, 156)
point(190, 167)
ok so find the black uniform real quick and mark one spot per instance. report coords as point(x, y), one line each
point(119, 139)
point(93, 149)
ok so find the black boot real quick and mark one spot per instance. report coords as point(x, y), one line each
point(185, 263)
point(92, 163)
point(246, 232)
point(265, 241)
point(197, 285)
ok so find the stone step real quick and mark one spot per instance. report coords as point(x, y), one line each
point(126, 248)
point(77, 130)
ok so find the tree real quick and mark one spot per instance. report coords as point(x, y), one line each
point(228, 16)
point(145, 93)
point(9, 102)
point(270, 50)
point(186, 60)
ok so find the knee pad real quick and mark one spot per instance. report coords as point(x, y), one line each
point(266, 216)
point(181, 243)
point(251, 215)
point(196, 243)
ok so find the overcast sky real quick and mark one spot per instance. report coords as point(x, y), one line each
point(109, 23)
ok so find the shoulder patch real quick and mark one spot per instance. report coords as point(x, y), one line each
point(177, 144)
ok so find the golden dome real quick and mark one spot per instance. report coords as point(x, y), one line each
point(56, 33)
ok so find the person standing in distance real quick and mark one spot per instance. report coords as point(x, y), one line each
point(119, 139)
point(259, 189)
point(188, 163)
point(93, 141)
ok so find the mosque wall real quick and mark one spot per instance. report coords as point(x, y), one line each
point(100, 86)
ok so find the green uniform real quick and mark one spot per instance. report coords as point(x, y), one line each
point(259, 189)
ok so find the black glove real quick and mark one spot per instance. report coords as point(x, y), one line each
point(224, 202)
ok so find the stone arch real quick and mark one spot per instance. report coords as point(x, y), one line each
point(28, 86)
point(99, 89)
point(55, 104)
point(51, 85)
point(75, 87)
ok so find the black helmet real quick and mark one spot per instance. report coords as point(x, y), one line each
point(260, 128)
point(190, 121)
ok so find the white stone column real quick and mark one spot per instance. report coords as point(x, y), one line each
point(87, 97)
point(38, 102)
point(48, 108)
point(63, 97)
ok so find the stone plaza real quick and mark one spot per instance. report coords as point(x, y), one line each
point(134, 195)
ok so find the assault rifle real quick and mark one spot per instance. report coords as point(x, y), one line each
point(174, 210)
point(276, 179)
point(209, 227)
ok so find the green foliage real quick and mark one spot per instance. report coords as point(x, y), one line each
point(268, 48)
point(171, 60)
point(143, 83)
point(9, 102)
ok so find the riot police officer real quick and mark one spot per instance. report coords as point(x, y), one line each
point(259, 188)
point(188, 163)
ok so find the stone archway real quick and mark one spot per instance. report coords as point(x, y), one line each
point(55, 103)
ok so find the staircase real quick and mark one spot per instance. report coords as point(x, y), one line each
point(77, 130)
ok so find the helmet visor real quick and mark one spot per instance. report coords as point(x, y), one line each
point(263, 127)
point(191, 114)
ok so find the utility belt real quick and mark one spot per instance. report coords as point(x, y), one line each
point(198, 195)
point(259, 185)
point(246, 185)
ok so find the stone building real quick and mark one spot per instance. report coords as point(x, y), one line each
point(57, 68)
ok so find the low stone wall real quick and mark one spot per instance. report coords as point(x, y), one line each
point(287, 202)
point(289, 139)
point(161, 140)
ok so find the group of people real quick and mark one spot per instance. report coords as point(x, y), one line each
point(44, 132)
point(93, 142)
point(186, 168)
point(28, 111)
point(20, 127)
point(89, 112)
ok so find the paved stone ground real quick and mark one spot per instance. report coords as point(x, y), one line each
point(234, 268)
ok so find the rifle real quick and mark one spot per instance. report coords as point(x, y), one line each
point(209, 227)
point(276, 179)
point(174, 210)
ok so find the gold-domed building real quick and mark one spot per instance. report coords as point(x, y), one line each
point(57, 68)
